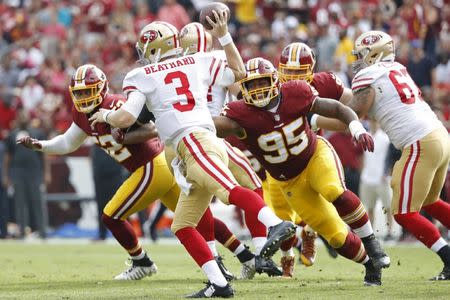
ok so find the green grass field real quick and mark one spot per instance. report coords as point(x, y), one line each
point(85, 271)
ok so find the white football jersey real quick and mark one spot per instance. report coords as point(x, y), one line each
point(176, 92)
point(398, 105)
point(217, 94)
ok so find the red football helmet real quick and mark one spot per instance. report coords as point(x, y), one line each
point(297, 62)
point(260, 84)
point(88, 87)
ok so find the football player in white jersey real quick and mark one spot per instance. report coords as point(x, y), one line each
point(193, 39)
point(174, 89)
point(383, 89)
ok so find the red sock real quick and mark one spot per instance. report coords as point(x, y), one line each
point(353, 249)
point(251, 203)
point(225, 236)
point(439, 210)
point(302, 223)
point(206, 226)
point(419, 226)
point(289, 243)
point(124, 234)
point(353, 213)
point(195, 245)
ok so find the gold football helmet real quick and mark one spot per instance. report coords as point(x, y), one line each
point(372, 47)
point(297, 62)
point(88, 87)
point(254, 90)
point(194, 38)
point(157, 40)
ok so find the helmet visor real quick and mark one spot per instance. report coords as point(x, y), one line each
point(86, 98)
point(288, 73)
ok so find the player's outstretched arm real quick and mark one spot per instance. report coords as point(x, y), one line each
point(334, 109)
point(220, 31)
point(135, 136)
point(65, 143)
point(226, 127)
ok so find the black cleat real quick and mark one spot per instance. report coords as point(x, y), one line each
point(373, 275)
point(212, 290)
point(376, 254)
point(444, 275)
point(330, 250)
point(277, 234)
point(227, 274)
point(268, 266)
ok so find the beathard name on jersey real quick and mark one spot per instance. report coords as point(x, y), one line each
point(170, 65)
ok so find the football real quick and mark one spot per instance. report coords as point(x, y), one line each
point(207, 11)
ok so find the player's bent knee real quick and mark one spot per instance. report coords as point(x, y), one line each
point(403, 219)
point(176, 226)
point(337, 240)
point(331, 192)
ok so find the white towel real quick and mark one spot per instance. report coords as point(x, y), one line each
point(178, 170)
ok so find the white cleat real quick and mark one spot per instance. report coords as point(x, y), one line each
point(248, 269)
point(138, 270)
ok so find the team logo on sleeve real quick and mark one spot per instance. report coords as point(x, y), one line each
point(149, 36)
point(370, 40)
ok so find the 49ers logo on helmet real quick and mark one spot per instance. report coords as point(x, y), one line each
point(370, 40)
point(149, 36)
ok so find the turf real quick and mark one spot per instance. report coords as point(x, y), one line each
point(62, 271)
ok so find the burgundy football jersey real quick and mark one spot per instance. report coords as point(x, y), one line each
point(282, 141)
point(328, 85)
point(256, 165)
point(130, 156)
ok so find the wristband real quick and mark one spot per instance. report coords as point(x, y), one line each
point(225, 40)
point(106, 114)
point(314, 122)
point(356, 128)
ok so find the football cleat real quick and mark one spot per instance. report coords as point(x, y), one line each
point(138, 269)
point(268, 266)
point(277, 234)
point(374, 251)
point(308, 252)
point(248, 269)
point(227, 274)
point(212, 290)
point(287, 264)
point(373, 274)
point(444, 275)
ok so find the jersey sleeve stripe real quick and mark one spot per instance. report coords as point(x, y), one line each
point(212, 65)
point(360, 86)
point(361, 79)
point(129, 88)
point(219, 65)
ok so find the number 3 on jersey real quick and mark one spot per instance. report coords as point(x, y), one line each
point(289, 141)
point(405, 86)
point(181, 90)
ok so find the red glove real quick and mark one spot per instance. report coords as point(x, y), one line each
point(30, 143)
point(118, 135)
point(365, 141)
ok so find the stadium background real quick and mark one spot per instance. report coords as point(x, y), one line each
point(42, 43)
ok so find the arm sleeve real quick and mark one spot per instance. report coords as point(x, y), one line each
point(135, 103)
point(65, 143)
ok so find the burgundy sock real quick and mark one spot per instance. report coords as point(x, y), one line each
point(419, 226)
point(352, 211)
point(195, 245)
point(439, 210)
point(206, 226)
point(225, 236)
point(353, 249)
point(124, 234)
point(289, 243)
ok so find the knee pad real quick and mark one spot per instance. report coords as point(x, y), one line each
point(337, 240)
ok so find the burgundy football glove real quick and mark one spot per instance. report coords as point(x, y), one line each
point(118, 135)
point(30, 143)
point(365, 141)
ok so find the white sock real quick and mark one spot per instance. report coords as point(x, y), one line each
point(438, 245)
point(239, 249)
point(212, 247)
point(290, 252)
point(268, 217)
point(259, 242)
point(139, 256)
point(364, 230)
point(213, 273)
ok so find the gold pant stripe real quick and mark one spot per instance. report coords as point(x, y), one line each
point(137, 193)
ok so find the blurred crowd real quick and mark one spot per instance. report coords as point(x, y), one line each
point(43, 42)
